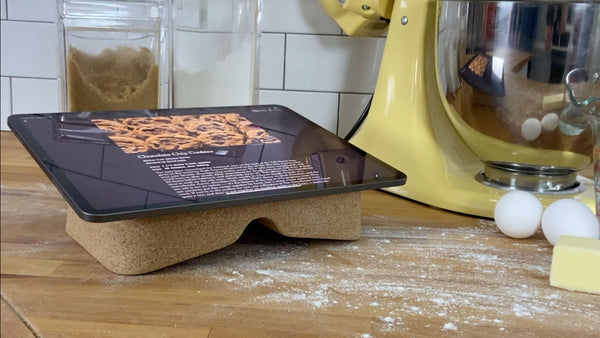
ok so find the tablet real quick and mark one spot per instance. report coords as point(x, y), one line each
point(125, 164)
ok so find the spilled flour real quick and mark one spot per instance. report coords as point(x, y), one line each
point(450, 326)
point(395, 280)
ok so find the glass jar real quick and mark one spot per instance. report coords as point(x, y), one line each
point(114, 54)
point(214, 52)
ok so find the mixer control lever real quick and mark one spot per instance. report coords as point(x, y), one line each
point(360, 18)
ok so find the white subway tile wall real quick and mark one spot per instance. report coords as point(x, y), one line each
point(297, 16)
point(311, 105)
point(306, 62)
point(35, 95)
point(3, 9)
point(343, 64)
point(5, 101)
point(271, 49)
point(29, 49)
point(32, 10)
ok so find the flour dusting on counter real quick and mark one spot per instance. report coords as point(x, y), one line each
point(395, 274)
point(450, 326)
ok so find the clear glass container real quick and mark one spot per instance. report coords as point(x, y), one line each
point(215, 52)
point(114, 54)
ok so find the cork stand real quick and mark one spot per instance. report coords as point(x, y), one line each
point(142, 245)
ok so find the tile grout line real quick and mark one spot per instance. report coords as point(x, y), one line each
point(12, 100)
point(337, 123)
point(284, 60)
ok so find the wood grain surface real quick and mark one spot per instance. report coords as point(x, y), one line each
point(416, 271)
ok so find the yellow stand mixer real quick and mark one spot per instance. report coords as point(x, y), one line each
point(461, 146)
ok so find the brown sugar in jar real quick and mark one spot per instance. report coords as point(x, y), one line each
point(116, 79)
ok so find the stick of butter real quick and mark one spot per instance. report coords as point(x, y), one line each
point(576, 264)
point(553, 102)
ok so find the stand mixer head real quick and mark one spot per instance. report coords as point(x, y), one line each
point(462, 92)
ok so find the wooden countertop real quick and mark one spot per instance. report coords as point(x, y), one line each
point(416, 271)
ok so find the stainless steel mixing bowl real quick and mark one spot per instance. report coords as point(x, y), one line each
point(502, 67)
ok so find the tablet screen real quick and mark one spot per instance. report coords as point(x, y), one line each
point(119, 165)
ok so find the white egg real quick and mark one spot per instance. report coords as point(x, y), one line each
point(550, 121)
point(569, 217)
point(518, 214)
point(531, 129)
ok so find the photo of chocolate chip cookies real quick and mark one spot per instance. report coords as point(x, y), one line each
point(143, 134)
point(479, 64)
point(485, 73)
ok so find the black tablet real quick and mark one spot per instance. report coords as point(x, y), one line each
point(124, 164)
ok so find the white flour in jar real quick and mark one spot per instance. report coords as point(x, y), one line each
point(228, 82)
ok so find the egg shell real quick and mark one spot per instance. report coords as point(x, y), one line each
point(550, 121)
point(518, 214)
point(569, 217)
point(531, 129)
